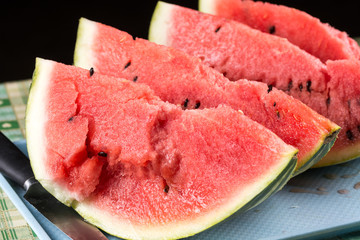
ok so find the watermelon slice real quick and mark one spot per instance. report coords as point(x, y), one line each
point(183, 80)
point(141, 168)
point(326, 42)
point(243, 52)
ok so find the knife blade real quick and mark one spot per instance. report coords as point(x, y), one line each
point(16, 166)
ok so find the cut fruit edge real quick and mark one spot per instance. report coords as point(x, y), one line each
point(87, 31)
point(271, 181)
point(160, 23)
point(188, 228)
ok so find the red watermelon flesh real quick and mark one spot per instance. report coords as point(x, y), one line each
point(239, 51)
point(139, 167)
point(344, 96)
point(300, 28)
point(183, 80)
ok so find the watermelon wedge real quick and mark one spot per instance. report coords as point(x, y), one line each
point(181, 79)
point(239, 51)
point(142, 168)
point(326, 42)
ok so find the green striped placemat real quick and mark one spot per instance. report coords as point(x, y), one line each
point(13, 98)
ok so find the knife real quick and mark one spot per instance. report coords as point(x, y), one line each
point(16, 166)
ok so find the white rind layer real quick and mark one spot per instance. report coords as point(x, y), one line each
point(160, 23)
point(83, 56)
point(36, 119)
point(207, 6)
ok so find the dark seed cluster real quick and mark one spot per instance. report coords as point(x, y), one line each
point(166, 188)
point(349, 135)
point(91, 72)
point(185, 104)
point(301, 87)
point(127, 65)
point(197, 104)
point(102, 154)
point(290, 85)
point(308, 86)
point(328, 101)
point(272, 29)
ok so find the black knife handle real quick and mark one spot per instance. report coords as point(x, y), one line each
point(13, 163)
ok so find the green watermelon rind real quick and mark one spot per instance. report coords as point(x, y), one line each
point(157, 34)
point(321, 152)
point(272, 181)
point(340, 155)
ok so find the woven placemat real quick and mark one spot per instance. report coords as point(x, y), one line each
point(13, 98)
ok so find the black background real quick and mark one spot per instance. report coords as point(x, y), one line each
point(48, 29)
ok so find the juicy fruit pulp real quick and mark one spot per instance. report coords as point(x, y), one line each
point(183, 80)
point(234, 50)
point(142, 168)
point(326, 42)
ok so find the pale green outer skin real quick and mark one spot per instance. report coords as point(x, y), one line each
point(322, 150)
point(242, 199)
point(161, 22)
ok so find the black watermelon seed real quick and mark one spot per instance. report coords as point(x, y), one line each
point(274, 104)
point(166, 188)
point(135, 78)
point(218, 28)
point(197, 104)
point(290, 85)
point(269, 88)
point(70, 119)
point(349, 135)
point(301, 87)
point(185, 104)
point(328, 100)
point(127, 65)
point(91, 71)
point(308, 86)
point(277, 113)
point(102, 154)
point(272, 29)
